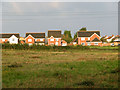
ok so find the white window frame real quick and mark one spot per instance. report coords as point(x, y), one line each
point(64, 44)
point(82, 38)
point(95, 43)
point(3, 40)
point(88, 43)
point(88, 38)
point(29, 40)
point(57, 39)
point(35, 39)
point(51, 39)
point(56, 43)
point(41, 39)
point(51, 43)
point(82, 43)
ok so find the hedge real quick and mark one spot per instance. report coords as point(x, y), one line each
point(39, 47)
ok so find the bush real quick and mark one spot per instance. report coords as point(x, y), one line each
point(39, 47)
point(86, 83)
point(15, 65)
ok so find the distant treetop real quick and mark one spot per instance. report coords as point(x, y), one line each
point(83, 29)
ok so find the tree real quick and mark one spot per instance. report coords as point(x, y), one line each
point(75, 35)
point(83, 29)
point(67, 36)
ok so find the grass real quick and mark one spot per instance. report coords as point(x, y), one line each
point(60, 69)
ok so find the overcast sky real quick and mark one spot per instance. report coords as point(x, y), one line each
point(22, 17)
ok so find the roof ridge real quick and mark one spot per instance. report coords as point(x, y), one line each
point(54, 30)
point(88, 31)
point(35, 32)
point(9, 33)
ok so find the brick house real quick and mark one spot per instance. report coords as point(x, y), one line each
point(116, 40)
point(54, 37)
point(87, 38)
point(109, 39)
point(35, 38)
point(22, 40)
point(12, 38)
point(64, 43)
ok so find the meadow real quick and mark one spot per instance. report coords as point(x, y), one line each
point(73, 68)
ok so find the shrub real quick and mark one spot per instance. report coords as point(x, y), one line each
point(39, 47)
point(86, 83)
point(115, 70)
point(15, 65)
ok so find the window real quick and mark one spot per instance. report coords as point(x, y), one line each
point(82, 38)
point(74, 43)
point(35, 39)
point(96, 43)
point(52, 44)
point(41, 43)
point(3, 40)
point(82, 43)
point(88, 38)
point(51, 39)
point(56, 43)
point(29, 40)
point(64, 44)
point(56, 39)
point(30, 44)
point(88, 44)
point(41, 39)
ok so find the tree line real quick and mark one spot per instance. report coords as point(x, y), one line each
point(68, 37)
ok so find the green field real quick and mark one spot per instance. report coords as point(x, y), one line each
point(60, 69)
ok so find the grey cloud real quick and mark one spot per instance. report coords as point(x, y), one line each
point(39, 17)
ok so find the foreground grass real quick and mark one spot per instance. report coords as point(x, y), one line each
point(105, 47)
point(53, 69)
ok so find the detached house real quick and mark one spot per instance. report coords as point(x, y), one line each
point(116, 40)
point(63, 43)
point(35, 38)
point(88, 38)
point(109, 39)
point(22, 40)
point(12, 38)
point(54, 37)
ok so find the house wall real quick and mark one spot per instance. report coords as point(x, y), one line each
point(13, 40)
point(93, 44)
point(80, 41)
point(106, 44)
point(54, 41)
point(64, 43)
point(22, 42)
point(3, 40)
point(116, 43)
point(94, 36)
point(40, 39)
point(30, 42)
